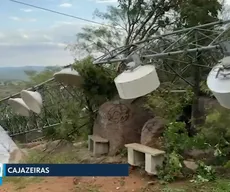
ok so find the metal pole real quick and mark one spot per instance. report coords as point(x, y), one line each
point(164, 35)
point(157, 55)
point(185, 30)
point(31, 88)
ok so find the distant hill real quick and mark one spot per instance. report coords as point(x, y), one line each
point(17, 73)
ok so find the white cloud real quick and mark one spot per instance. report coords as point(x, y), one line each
point(22, 19)
point(25, 36)
point(15, 18)
point(39, 47)
point(26, 10)
point(60, 23)
point(47, 37)
point(106, 1)
point(1, 35)
point(42, 54)
point(65, 5)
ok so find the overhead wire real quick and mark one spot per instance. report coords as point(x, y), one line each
point(60, 13)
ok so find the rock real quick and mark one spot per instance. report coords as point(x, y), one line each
point(191, 165)
point(59, 146)
point(198, 154)
point(17, 155)
point(121, 122)
point(152, 132)
point(55, 146)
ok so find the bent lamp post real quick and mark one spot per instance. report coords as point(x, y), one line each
point(68, 76)
point(19, 107)
point(218, 82)
point(33, 100)
point(137, 81)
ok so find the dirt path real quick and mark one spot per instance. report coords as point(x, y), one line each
point(133, 183)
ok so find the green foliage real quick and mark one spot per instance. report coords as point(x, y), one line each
point(172, 167)
point(131, 21)
point(75, 122)
point(204, 173)
point(173, 190)
point(167, 104)
point(98, 81)
point(227, 165)
point(217, 131)
point(36, 78)
point(176, 141)
point(78, 115)
point(220, 185)
point(192, 13)
point(176, 137)
point(204, 88)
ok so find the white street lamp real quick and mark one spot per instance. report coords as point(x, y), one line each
point(68, 76)
point(33, 100)
point(19, 106)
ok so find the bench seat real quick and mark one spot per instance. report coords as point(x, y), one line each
point(98, 145)
point(139, 155)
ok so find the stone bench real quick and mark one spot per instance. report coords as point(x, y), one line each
point(139, 155)
point(98, 145)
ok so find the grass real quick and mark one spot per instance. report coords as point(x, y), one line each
point(35, 156)
point(220, 185)
point(72, 156)
point(21, 182)
point(53, 158)
point(88, 188)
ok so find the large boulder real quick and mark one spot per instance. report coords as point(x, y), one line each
point(152, 132)
point(121, 122)
point(17, 155)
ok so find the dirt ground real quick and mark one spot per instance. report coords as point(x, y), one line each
point(133, 183)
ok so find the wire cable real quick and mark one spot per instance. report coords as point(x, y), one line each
point(60, 13)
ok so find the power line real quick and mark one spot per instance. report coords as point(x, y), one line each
point(60, 13)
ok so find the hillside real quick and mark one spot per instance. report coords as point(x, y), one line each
point(17, 73)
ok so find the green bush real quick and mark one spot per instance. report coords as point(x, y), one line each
point(78, 114)
point(172, 167)
point(167, 104)
point(217, 132)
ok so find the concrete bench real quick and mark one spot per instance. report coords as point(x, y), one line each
point(139, 155)
point(98, 145)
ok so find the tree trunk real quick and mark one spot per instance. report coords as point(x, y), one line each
point(196, 90)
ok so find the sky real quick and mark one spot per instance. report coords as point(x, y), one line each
point(31, 37)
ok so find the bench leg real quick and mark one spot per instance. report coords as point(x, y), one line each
point(151, 163)
point(100, 148)
point(135, 158)
point(90, 145)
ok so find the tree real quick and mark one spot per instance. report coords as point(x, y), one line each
point(98, 87)
point(39, 77)
point(131, 21)
point(78, 110)
point(192, 13)
point(137, 20)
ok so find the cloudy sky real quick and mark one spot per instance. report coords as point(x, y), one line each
point(30, 36)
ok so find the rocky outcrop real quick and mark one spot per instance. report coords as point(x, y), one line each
point(152, 131)
point(121, 122)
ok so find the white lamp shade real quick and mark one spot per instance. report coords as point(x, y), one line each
point(220, 85)
point(68, 76)
point(138, 82)
point(33, 100)
point(19, 106)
